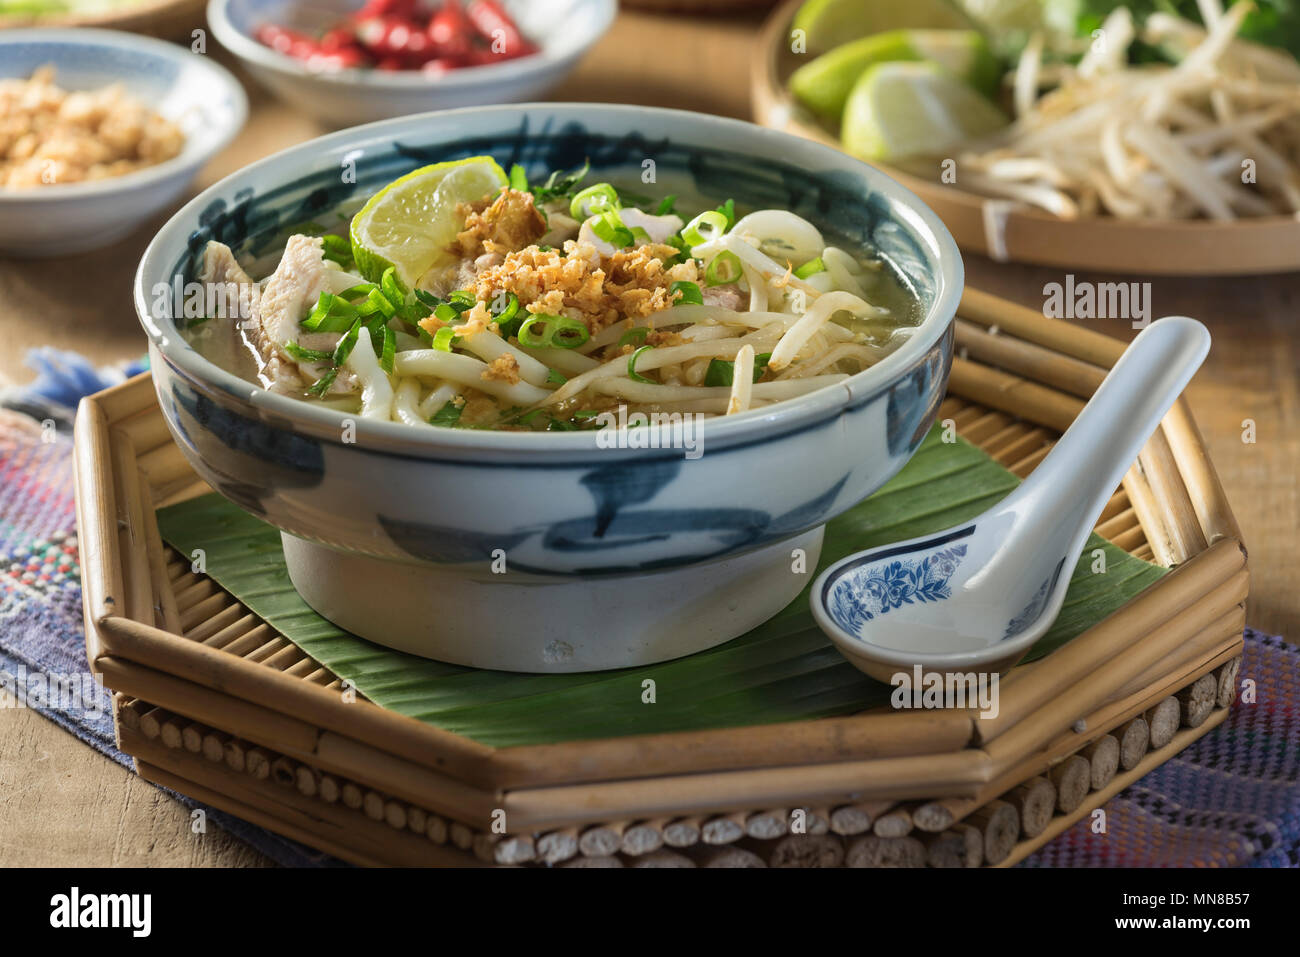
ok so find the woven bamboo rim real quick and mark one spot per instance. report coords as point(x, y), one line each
point(369, 827)
point(161, 634)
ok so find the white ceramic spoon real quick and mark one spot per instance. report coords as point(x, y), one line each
point(976, 597)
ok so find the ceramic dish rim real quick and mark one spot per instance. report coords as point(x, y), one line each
point(214, 143)
point(259, 55)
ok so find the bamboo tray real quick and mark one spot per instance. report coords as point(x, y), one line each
point(212, 702)
point(1017, 233)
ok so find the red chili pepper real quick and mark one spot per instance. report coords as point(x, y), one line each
point(289, 42)
point(495, 26)
point(337, 60)
point(340, 38)
point(450, 30)
point(387, 8)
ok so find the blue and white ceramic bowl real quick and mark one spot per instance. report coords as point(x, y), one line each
point(200, 96)
point(668, 535)
point(563, 29)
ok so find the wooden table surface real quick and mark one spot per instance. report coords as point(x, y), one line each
point(63, 804)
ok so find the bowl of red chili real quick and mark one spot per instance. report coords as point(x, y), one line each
point(347, 62)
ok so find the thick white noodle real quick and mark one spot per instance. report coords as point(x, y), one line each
point(406, 402)
point(466, 371)
point(742, 381)
point(443, 393)
point(489, 346)
point(376, 390)
point(568, 361)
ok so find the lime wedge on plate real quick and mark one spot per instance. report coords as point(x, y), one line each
point(828, 23)
point(411, 221)
point(902, 110)
point(824, 84)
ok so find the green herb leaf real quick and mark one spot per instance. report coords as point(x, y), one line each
point(722, 372)
point(306, 355)
point(448, 415)
point(811, 268)
point(690, 292)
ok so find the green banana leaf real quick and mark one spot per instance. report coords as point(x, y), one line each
point(783, 670)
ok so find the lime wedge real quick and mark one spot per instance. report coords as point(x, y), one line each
point(901, 110)
point(411, 221)
point(828, 23)
point(824, 84)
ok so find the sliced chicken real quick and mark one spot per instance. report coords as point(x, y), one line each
point(278, 307)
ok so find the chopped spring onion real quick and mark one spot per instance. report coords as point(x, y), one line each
point(722, 372)
point(322, 385)
point(508, 319)
point(306, 355)
point(377, 302)
point(462, 299)
point(667, 205)
point(585, 414)
point(704, 227)
point(559, 425)
point(331, 314)
point(446, 312)
point(635, 337)
point(389, 350)
point(518, 178)
point(393, 290)
point(723, 268)
point(631, 366)
point(449, 414)
point(554, 377)
point(428, 298)
point(541, 330)
point(811, 268)
point(442, 339)
point(359, 291)
point(337, 249)
point(594, 199)
point(346, 344)
point(689, 290)
point(728, 209)
point(609, 227)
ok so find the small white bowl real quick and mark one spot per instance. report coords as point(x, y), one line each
point(563, 29)
point(192, 91)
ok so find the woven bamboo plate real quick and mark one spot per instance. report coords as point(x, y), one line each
point(212, 702)
point(1009, 232)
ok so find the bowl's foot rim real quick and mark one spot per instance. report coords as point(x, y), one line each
point(547, 626)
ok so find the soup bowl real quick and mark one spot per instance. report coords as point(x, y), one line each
point(561, 551)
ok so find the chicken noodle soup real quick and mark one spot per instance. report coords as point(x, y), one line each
point(468, 298)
